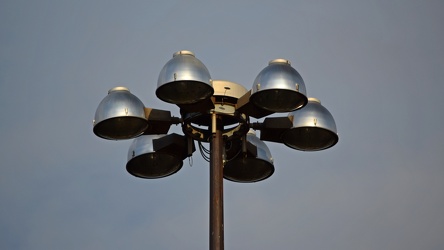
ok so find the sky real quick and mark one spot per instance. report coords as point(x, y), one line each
point(377, 66)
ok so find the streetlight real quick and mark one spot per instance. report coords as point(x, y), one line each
point(216, 112)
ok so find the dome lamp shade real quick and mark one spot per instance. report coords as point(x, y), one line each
point(279, 88)
point(145, 162)
point(313, 128)
point(252, 166)
point(184, 80)
point(120, 115)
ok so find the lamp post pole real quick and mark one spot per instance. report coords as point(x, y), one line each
point(216, 186)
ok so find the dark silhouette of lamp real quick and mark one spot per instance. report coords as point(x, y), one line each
point(157, 156)
point(253, 165)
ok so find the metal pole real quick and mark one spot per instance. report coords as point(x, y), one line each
point(216, 185)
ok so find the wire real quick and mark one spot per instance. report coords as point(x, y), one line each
point(204, 152)
point(204, 149)
point(190, 161)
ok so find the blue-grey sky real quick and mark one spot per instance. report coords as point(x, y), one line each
point(376, 65)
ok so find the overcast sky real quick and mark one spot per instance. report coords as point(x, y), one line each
point(376, 65)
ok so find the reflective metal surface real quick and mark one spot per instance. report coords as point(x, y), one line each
point(313, 128)
point(184, 80)
point(250, 168)
point(144, 162)
point(120, 115)
point(279, 88)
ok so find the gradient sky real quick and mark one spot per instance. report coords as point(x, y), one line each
point(376, 65)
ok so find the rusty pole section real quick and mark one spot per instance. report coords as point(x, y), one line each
point(216, 185)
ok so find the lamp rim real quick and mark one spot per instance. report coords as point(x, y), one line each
point(265, 162)
point(176, 169)
point(332, 133)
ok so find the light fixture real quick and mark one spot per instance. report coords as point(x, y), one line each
point(313, 128)
point(184, 80)
point(279, 88)
point(256, 164)
point(219, 113)
point(120, 115)
point(156, 156)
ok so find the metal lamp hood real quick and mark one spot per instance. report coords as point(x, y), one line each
point(279, 88)
point(254, 165)
point(145, 162)
point(184, 80)
point(120, 115)
point(313, 128)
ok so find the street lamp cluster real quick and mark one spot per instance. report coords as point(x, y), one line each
point(216, 112)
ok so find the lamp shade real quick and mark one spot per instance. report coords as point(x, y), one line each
point(313, 128)
point(252, 166)
point(184, 80)
point(279, 88)
point(145, 162)
point(120, 115)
